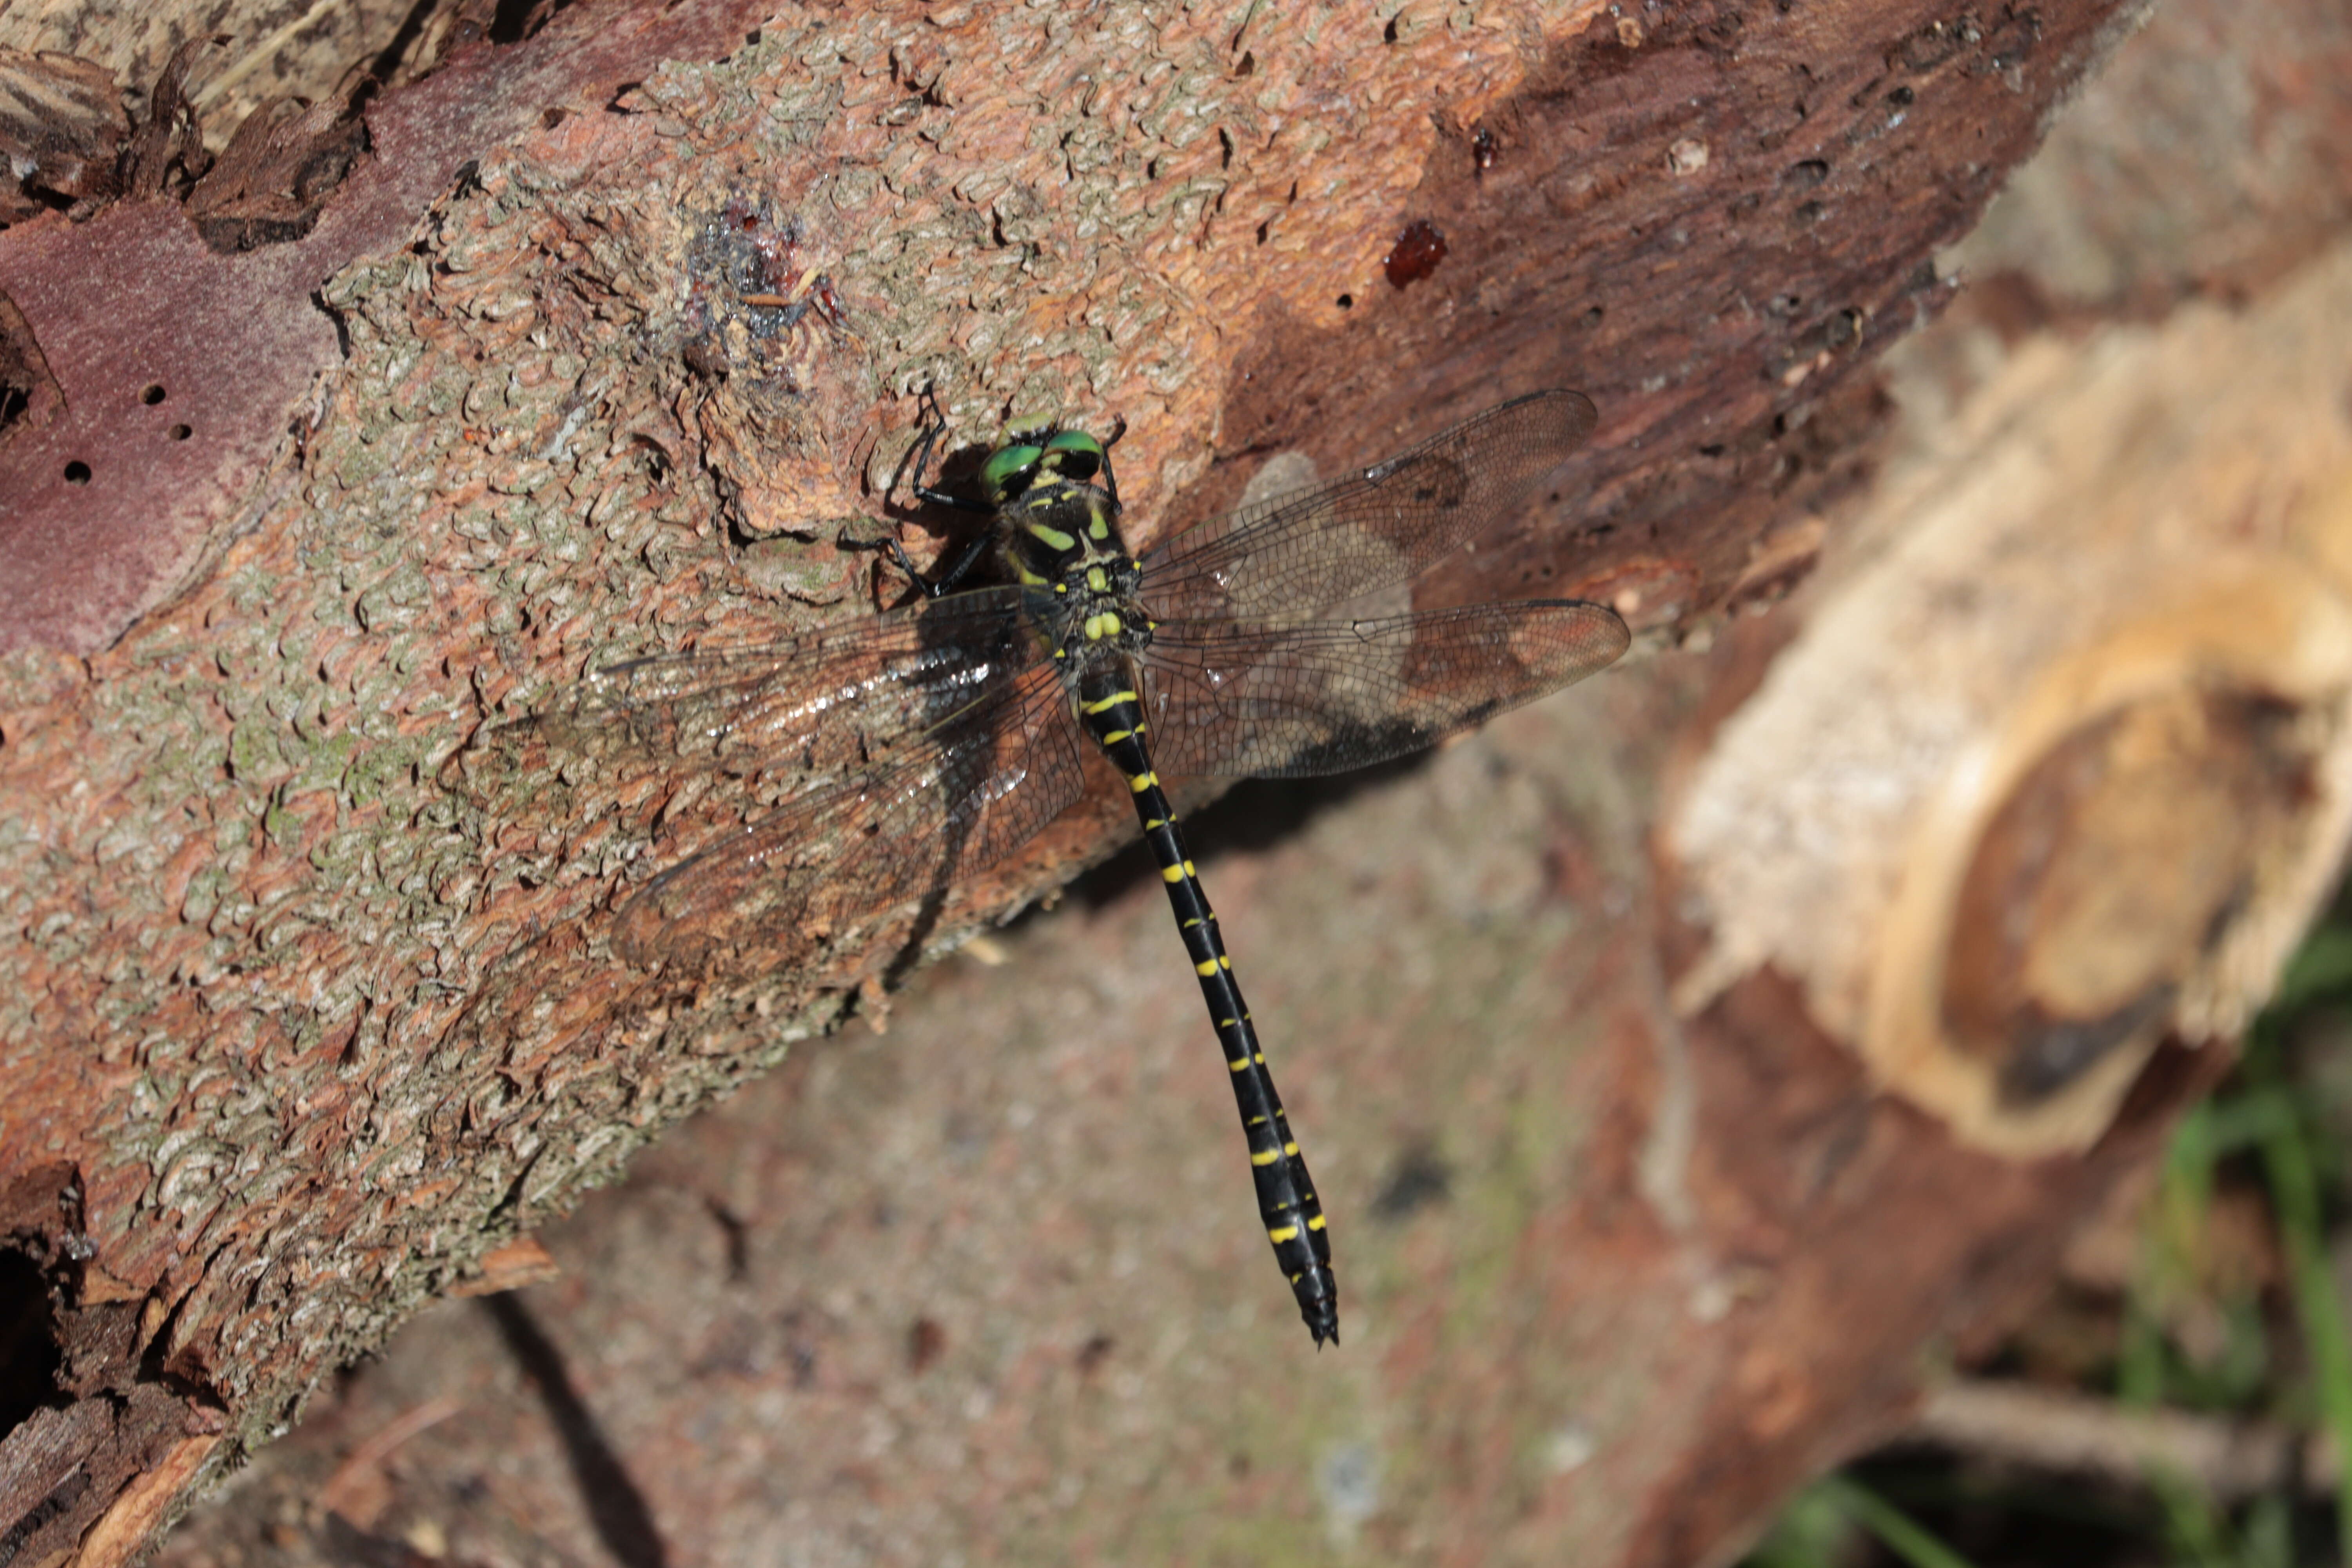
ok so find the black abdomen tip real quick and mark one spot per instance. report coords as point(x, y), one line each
point(1322, 1316)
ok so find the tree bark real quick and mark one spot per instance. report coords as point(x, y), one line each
point(298, 1033)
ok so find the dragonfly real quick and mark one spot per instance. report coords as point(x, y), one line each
point(889, 756)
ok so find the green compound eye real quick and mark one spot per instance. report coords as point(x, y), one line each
point(1008, 469)
point(1079, 455)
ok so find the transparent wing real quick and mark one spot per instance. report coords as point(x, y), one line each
point(934, 806)
point(1293, 702)
point(1294, 557)
point(827, 700)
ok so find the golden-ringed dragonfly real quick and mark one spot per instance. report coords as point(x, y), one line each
point(904, 750)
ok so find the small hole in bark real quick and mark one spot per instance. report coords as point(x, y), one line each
point(925, 1340)
point(77, 472)
point(153, 396)
point(1347, 301)
point(181, 432)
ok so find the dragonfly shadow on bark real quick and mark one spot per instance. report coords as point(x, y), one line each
point(1246, 817)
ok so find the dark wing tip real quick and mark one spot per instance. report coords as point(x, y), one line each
point(1600, 620)
point(1575, 413)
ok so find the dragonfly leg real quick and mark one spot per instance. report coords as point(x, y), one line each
point(935, 425)
point(935, 586)
point(1111, 479)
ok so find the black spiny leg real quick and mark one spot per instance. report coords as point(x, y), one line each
point(936, 426)
point(937, 586)
point(1111, 479)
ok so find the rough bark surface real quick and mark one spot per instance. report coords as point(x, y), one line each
point(297, 1035)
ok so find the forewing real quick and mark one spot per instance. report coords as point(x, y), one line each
point(936, 806)
point(1293, 557)
point(1293, 701)
point(828, 700)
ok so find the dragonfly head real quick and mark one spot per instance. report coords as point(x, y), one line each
point(1034, 453)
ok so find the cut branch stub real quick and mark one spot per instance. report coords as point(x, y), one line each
point(2064, 772)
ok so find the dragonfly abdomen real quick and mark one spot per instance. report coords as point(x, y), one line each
point(1112, 712)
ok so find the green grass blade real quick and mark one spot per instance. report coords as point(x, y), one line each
point(1896, 1530)
point(2294, 1189)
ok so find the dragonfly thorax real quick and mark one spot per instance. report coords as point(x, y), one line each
point(1080, 586)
